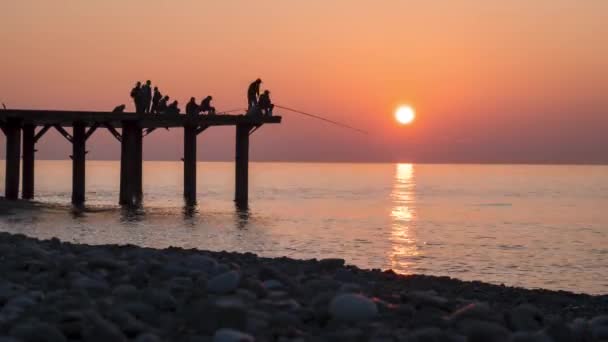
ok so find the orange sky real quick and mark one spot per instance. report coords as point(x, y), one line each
point(492, 81)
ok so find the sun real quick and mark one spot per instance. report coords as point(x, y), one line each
point(405, 115)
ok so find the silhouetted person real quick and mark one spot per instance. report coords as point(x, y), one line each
point(163, 104)
point(265, 104)
point(155, 100)
point(192, 107)
point(146, 96)
point(136, 96)
point(173, 108)
point(252, 94)
point(206, 106)
point(119, 109)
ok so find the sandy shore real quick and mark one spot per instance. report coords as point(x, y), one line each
point(56, 291)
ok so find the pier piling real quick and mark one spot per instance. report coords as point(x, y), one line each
point(29, 149)
point(78, 163)
point(12, 130)
point(131, 164)
point(190, 133)
point(241, 187)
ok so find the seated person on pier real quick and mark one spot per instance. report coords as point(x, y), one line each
point(163, 105)
point(206, 106)
point(265, 104)
point(192, 107)
point(119, 109)
point(173, 109)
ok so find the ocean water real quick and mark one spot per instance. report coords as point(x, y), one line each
point(523, 225)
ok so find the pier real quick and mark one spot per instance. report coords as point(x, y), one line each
point(24, 129)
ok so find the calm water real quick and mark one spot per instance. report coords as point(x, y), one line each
point(531, 226)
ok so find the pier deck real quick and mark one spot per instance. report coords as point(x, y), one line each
point(33, 124)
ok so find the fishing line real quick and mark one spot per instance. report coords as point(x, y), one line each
point(318, 117)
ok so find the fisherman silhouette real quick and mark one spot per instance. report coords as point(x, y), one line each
point(163, 104)
point(136, 96)
point(252, 94)
point(265, 104)
point(119, 109)
point(146, 96)
point(155, 100)
point(173, 108)
point(206, 106)
point(192, 107)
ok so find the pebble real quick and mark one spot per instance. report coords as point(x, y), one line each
point(352, 307)
point(224, 283)
point(56, 291)
point(230, 335)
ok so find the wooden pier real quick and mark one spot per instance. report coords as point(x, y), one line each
point(129, 129)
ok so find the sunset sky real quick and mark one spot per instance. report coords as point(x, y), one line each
point(491, 81)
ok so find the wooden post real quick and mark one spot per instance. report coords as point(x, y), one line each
point(29, 144)
point(13, 151)
point(123, 198)
point(241, 188)
point(190, 164)
point(139, 141)
point(131, 164)
point(78, 163)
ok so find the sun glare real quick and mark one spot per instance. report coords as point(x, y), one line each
point(405, 115)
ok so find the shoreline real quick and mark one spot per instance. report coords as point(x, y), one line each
point(125, 292)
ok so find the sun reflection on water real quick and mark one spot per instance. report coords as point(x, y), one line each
point(403, 240)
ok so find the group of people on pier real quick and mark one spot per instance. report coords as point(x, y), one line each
point(148, 100)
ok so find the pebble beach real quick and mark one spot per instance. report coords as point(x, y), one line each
point(57, 291)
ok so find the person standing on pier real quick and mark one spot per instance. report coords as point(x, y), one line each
point(155, 100)
point(136, 96)
point(206, 106)
point(146, 96)
point(265, 104)
point(252, 94)
point(192, 107)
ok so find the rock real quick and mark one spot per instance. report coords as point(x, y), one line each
point(230, 313)
point(37, 332)
point(350, 288)
point(331, 263)
point(159, 298)
point(482, 331)
point(580, 330)
point(422, 298)
point(431, 335)
point(224, 283)
point(147, 337)
point(558, 331)
point(231, 335)
point(97, 329)
point(125, 291)
point(272, 284)
point(201, 263)
point(524, 336)
point(352, 307)
point(524, 318)
point(91, 285)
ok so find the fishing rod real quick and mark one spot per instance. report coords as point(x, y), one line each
point(318, 117)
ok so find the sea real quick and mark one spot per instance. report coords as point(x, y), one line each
point(533, 226)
